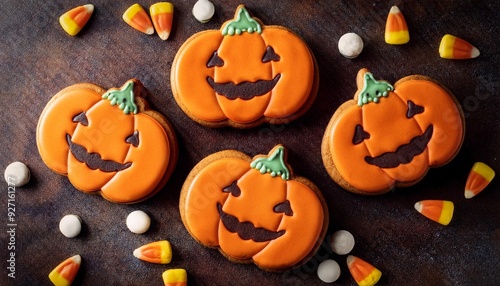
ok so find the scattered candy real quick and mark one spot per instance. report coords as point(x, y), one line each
point(75, 19)
point(363, 272)
point(479, 177)
point(342, 242)
point(162, 14)
point(396, 31)
point(138, 19)
point(17, 174)
point(65, 273)
point(175, 277)
point(138, 222)
point(452, 47)
point(328, 271)
point(159, 252)
point(203, 10)
point(70, 225)
point(350, 45)
point(436, 210)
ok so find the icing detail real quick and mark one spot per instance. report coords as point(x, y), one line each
point(94, 160)
point(270, 55)
point(246, 230)
point(81, 118)
point(373, 90)
point(245, 90)
point(124, 97)
point(359, 135)
point(215, 61)
point(243, 22)
point(274, 164)
point(284, 207)
point(233, 189)
point(413, 109)
point(404, 154)
point(133, 139)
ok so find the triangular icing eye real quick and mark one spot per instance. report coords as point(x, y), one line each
point(233, 189)
point(215, 61)
point(413, 109)
point(81, 118)
point(359, 135)
point(283, 207)
point(133, 139)
point(270, 55)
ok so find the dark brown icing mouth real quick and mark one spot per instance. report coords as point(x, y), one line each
point(245, 90)
point(246, 230)
point(94, 160)
point(404, 154)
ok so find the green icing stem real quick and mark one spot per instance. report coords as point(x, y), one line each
point(373, 90)
point(124, 97)
point(243, 23)
point(273, 164)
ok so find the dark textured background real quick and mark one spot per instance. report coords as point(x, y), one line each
point(37, 59)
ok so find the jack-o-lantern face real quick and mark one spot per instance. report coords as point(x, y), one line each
point(390, 136)
point(244, 74)
point(107, 142)
point(254, 211)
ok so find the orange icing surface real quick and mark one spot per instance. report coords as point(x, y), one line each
point(259, 194)
point(242, 55)
point(105, 135)
point(389, 128)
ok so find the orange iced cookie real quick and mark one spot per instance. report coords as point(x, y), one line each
point(107, 142)
point(244, 74)
point(389, 136)
point(254, 210)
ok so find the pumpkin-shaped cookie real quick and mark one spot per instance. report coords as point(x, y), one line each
point(244, 74)
point(389, 136)
point(107, 141)
point(254, 210)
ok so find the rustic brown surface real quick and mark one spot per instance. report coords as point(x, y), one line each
point(37, 59)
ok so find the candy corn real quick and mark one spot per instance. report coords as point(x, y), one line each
point(138, 19)
point(65, 273)
point(159, 252)
point(396, 31)
point(363, 272)
point(162, 14)
point(436, 210)
point(479, 177)
point(74, 20)
point(175, 277)
point(452, 47)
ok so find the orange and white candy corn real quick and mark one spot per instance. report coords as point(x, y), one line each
point(452, 47)
point(396, 30)
point(138, 19)
point(479, 177)
point(436, 210)
point(159, 252)
point(363, 272)
point(75, 19)
point(65, 273)
point(175, 277)
point(162, 14)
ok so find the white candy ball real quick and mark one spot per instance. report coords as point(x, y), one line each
point(342, 242)
point(203, 10)
point(138, 222)
point(70, 225)
point(328, 271)
point(17, 173)
point(350, 45)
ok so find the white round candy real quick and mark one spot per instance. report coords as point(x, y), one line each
point(203, 10)
point(70, 225)
point(17, 173)
point(350, 45)
point(328, 271)
point(138, 222)
point(342, 242)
